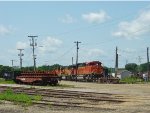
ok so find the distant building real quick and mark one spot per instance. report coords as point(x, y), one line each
point(123, 74)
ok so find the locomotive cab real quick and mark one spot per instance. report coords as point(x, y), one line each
point(94, 63)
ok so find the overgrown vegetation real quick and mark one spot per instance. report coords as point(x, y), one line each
point(25, 99)
point(3, 81)
point(132, 80)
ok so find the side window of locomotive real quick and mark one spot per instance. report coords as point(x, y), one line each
point(90, 64)
point(94, 64)
point(99, 64)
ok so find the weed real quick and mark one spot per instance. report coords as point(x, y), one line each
point(3, 81)
point(9, 95)
point(131, 80)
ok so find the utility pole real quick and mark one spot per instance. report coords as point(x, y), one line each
point(139, 60)
point(148, 68)
point(116, 63)
point(12, 63)
point(77, 44)
point(33, 44)
point(72, 60)
point(20, 55)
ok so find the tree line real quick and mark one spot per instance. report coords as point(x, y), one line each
point(132, 67)
point(8, 69)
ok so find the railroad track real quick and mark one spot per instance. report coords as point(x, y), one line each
point(67, 98)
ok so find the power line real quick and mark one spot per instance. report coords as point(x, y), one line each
point(113, 21)
point(65, 53)
point(114, 39)
point(28, 56)
point(97, 25)
point(100, 43)
point(34, 57)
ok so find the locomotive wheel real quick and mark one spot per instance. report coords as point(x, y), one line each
point(55, 82)
point(40, 83)
point(44, 83)
point(67, 77)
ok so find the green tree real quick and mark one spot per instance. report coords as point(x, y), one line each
point(55, 66)
point(1, 70)
point(43, 68)
point(133, 67)
point(29, 68)
point(46, 68)
point(143, 67)
point(4, 69)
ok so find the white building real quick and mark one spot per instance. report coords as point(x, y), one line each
point(123, 74)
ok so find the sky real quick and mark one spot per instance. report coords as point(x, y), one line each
point(99, 26)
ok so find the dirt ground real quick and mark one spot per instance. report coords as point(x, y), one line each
point(136, 99)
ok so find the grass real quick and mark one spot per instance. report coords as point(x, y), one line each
point(3, 81)
point(131, 80)
point(25, 99)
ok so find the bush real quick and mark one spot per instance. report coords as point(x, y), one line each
point(131, 80)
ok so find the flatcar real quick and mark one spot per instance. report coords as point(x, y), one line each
point(37, 77)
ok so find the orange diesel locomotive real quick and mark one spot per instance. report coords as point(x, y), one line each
point(87, 71)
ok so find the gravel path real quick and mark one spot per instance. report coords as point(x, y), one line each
point(136, 97)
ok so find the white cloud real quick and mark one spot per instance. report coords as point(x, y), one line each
point(95, 52)
point(92, 54)
point(129, 50)
point(135, 28)
point(5, 30)
point(50, 44)
point(96, 17)
point(12, 51)
point(21, 45)
point(67, 19)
